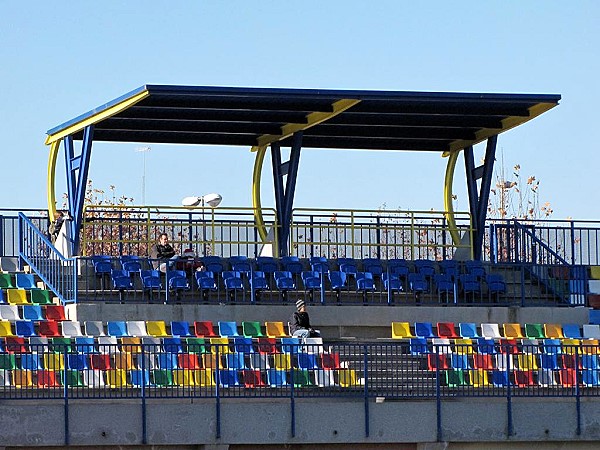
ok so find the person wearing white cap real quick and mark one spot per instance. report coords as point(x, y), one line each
point(300, 322)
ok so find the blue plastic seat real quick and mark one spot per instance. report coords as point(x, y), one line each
point(117, 328)
point(590, 377)
point(572, 331)
point(311, 280)
point(549, 361)
point(348, 266)
point(228, 329)
point(475, 267)
point(495, 283)
point(25, 281)
point(459, 361)
point(267, 264)
point(425, 267)
point(77, 361)
point(85, 345)
point(102, 266)
point(373, 265)
point(214, 264)
point(551, 346)
point(25, 328)
point(180, 328)
point(444, 285)
point(319, 264)
point(307, 361)
point(140, 377)
point(32, 312)
point(365, 282)
point(417, 282)
point(418, 346)
point(499, 378)
point(241, 264)
point(172, 344)
point(486, 346)
point(205, 280)
point(291, 264)
point(31, 361)
point(167, 361)
point(121, 281)
point(284, 281)
point(177, 280)
point(469, 284)
point(235, 361)
point(243, 344)
point(392, 283)
point(424, 330)
point(233, 282)
point(337, 280)
point(468, 330)
point(589, 361)
point(398, 267)
point(450, 267)
point(276, 378)
point(259, 281)
point(290, 344)
point(228, 378)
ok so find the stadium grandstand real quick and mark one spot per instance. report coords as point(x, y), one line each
point(439, 329)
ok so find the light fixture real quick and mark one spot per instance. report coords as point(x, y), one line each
point(213, 200)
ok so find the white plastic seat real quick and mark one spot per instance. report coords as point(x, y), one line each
point(71, 328)
point(313, 345)
point(136, 328)
point(94, 328)
point(93, 378)
point(10, 312)
point(107, 344)
point(441, 346)
point(490, 331)
point(324, 377)
point(591, 331)
point(546, 378)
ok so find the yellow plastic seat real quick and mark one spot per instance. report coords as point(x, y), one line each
point(275, 329)
point(401, 330)
point(17, 297)
point(5, 328)
point(220, 344)
point(204, 377)
point(479, 378)
point(116, 378)
point(590, 346)
point(157, 328)
point(282, 361)
point(512, 330)
point(463, 346)
point(22, 378)
point(131, 344)
point(347, 378)
point(123, 360)
point(595, 272)
point(527, 361)
point(553, 331)
point(570, 346)
point(183, 377)
point(54, 361)
point(209, 361)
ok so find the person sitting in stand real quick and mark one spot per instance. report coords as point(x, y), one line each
point(189, 262)
point(162, 254)
point(300, 322)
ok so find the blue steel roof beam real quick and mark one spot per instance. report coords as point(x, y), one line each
point(373, 143)
point(191, 126)
point(391, 132)
point(484, 193)
point(224, 115)
point(290, 190)
point(174, 137)
point(417, 120)
point(445, 108)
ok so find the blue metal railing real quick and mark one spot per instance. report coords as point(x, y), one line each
point(59, 273)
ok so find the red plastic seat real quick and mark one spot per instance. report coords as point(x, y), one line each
point(100, 361)
point(252, 378)
point(48, 328)
point(447, 330)
point(15, 344)
point(483, 361)
point(567, 377)
point(55, 312)
point(330, 360)
point(435, 362)
point(267, 345)
point(188, 361)
point(204, 329)
point(509, 346)
point(524, 378)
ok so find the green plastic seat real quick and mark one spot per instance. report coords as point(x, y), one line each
point(195, 345)
point(252, 329)
point(7, 361)
point(301, 378)
point(74, 378)
point(455, 378)
point(61, 344)
point(534, 330)
point(6, 281)
point(163, 377)
point(41, 297)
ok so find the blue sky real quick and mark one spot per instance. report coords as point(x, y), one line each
point(60, 60)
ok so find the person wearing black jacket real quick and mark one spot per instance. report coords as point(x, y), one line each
point(162, 251)
point(300, 322)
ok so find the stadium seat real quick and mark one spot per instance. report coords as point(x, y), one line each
point(441, 345)
point(77, 361)
point(527, 362)
point(284, 281)
point(172, 345)
point(275, 330)
point(590, 346)
point(495, 284)
point(258, 281)
point(195, 345)
point(479, 378)
point(330, 361)
point(16, 296)
point(48, 379)
point(324, 377)
point(180, 328)
point(15, 344)
point(524, 378)
point(425, 267)
point(512, 331)
point(301, 377)
point(38, 344)
point(347, 378)
point(551, 346)
point(40, 297)
point(32, 312)
point(418, 346)
point(589, 332)
point(424, 329)
point(25, 281)
point(589, 361)
point(267, 264)
point(31, 361)
point(210, 361)
point(252, 329)
point(307, 361)
point(482, 361)
point(121, 281)
point(572, 331)
point(469, 284)
point(546, 377)
point(235, 361)
point(490, 331)
point(398, 267)
point(243, 345)
point(188, 361)
point(447, 330)
point(228, 378)
point(25, 328)
point(365, 282)
point(233, 283)
point(204, 329)
point(8, 361)
point(71, 328)
point(205, 280)
point(534, 330)
point(177, 281)
point(123, 361)
point(508, 346)
point(277, 377)
point(151, 282)
point(570, 346)
point(455, 378)
point(107, 344)
point(22, 378)
point(486, 346)
point(590, 378)
point(204, 378)
point(319, 264)
point(475, 267)
point(502, 361)
point(468, 330)
point(6, 328)
point(252, 378)
point(116, 378)
point(348, 266)
point(392, 283)
point(463, 346)
point(417, 283)
point(291, 264)
point(131, 264)
point(241, 264)
point(531, 346)
point(10, 312)
point(214, 264)
point(567, 377)
point(156, 328)
point(311, 280)
point(94, 328)
point(167, 361)
point(450, 267)
point(6, 281)
point(289, 344)
point(458, 361)
point(337, 280)
point(553, 330)
point(444, 286)
point(401, 330)
point(53, 361)
point(55, 312)
point(228, 329)
point(282, 361)
point(136, 328)
point(219, 345)
point(117, 328)
point(100, 361)
point(373, 266)
point(102, 267)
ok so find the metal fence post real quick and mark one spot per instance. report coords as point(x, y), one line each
point(438, 396)
point(366, 389)
point(292, 402)
point(577, 393)
point(143, 393)
point(218, 393)
point(508, 392)
point(65, 394)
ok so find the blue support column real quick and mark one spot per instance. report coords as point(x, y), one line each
point(284, 199)
point(478, 201)
point(77, 167)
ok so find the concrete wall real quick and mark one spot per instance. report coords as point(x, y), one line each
point(257, 422)
point(362, 322)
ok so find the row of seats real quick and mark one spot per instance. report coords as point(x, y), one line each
point(135, 378)
point(22, 289)
point(566, 378)
point(404, 330)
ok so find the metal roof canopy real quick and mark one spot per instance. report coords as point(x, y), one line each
point(380, 120)
point(299, 118)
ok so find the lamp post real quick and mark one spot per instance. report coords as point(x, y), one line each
point(212, 200)
point(143, 151)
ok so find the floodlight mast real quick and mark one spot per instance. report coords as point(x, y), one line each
point(213, 200)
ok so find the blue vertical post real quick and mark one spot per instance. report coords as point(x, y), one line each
point(218, 393)
point(143, 393)
point(572, 242)
point(438, 396)
point(292, 402)
point(65, 394)
point(508, 393)
point(577, 393)
point(366, 389)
